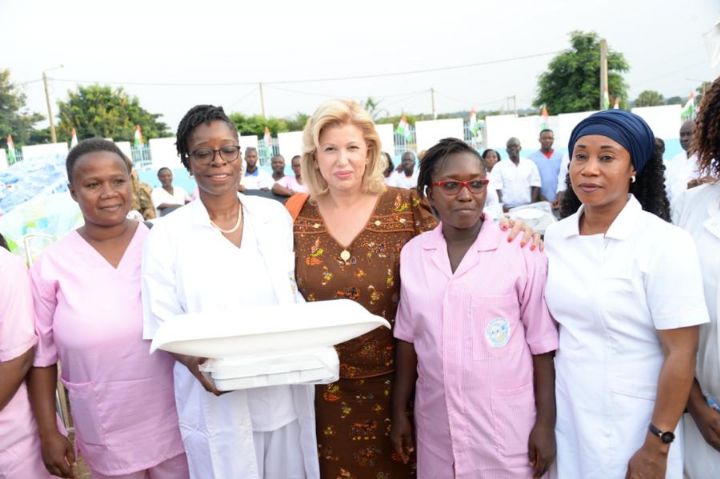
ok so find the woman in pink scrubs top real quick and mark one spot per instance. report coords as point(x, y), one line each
point(19, 442)
point(474, 331)
point(88, 316)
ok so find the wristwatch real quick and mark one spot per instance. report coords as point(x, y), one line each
point(665, 436)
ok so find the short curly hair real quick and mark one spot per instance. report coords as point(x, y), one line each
point(92, 145)
point(706, 139)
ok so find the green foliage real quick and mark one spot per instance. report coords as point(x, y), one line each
point(298, 122)
point(650, 98)
point(14, 119)
point(101, 111)
point(674, 100)
point(255, 124)
point(572, 80)
point(700, 91)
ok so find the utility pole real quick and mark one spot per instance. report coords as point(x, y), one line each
point(262, 100)
point(53, 136)
point(432, 100)
point(604, 93)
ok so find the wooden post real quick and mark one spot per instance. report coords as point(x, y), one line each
point(604, 93)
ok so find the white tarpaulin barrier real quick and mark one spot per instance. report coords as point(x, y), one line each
point(283, 344)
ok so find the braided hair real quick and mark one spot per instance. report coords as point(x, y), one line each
point(436, 157)
point(649, 189)
point(196, 116)
point(706, 139)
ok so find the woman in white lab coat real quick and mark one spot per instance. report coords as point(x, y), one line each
point(697, 210)
point(226, 252)
point(625, 287)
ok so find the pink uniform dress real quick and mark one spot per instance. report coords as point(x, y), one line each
point(88, 315)
point(19, 443)
point(474, 332)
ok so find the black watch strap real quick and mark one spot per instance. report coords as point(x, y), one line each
point(665, 436)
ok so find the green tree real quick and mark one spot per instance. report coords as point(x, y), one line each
point(15, 120)
point(572, 80)
point(255, 124)
point(674, 100)
point(649, 98)
point(700, 91)
point(101, 111)
point(297, 123)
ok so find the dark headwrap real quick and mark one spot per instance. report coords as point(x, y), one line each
point(624, 127)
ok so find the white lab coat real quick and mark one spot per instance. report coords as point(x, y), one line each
point(698, 211)
point(610, 294)
point(188, 266)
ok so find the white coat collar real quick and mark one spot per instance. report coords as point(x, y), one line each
point(621, 227)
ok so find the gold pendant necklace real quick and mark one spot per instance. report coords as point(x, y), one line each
point(234, 228)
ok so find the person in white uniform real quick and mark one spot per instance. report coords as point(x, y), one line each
point(224, 253)
point(517, 180)
point(626, 290)
point(698, 211)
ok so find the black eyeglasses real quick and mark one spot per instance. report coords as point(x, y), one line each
point(454, 187)
point(205, 156)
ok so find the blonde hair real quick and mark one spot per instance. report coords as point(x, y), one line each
point(335, 113)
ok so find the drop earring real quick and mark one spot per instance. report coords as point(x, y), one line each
point(632, 179)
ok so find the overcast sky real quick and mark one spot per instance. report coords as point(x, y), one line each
point(175, 54)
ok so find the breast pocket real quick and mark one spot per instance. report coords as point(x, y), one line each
point(494, 322)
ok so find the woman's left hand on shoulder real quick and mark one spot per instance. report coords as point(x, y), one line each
point(649, 462)
point(529, 235)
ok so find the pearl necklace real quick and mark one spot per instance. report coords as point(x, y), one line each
point(234, 228)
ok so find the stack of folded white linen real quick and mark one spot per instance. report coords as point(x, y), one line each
point(282, 344)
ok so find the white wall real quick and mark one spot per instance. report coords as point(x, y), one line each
point(427, 133)
point(125, 148)
point(248, 141)
point(290, 144)
point(665, 120)
point(386, 132)
point(43, 152)
point(3, 159)
point(164, 153)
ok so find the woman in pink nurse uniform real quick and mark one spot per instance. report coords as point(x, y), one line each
point(88, 316)
point(475, 333)
point(19, 442)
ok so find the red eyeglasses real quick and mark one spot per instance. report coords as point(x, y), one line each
point(454, 187)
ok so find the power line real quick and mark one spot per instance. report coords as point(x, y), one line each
point(318, 80)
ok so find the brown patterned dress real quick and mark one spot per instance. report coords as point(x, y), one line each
point(353, 414)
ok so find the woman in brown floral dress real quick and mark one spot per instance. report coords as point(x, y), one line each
point(348, 238)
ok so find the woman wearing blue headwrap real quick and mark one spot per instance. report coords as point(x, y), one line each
point(625, 287)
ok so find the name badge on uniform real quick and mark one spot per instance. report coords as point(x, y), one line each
point(497, 332)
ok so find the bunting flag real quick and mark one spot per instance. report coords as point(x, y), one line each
point(267, 137)
point(267, 152)
point(73, 139)
point(403, 128)
point(689, 111)
point(138, 140)
point(11, 150)
point(473, 123)
point(616, 105)
point(544, 118)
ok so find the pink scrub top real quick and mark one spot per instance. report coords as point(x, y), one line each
point(474, 332)
point(88, 315)
point(19, 442)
